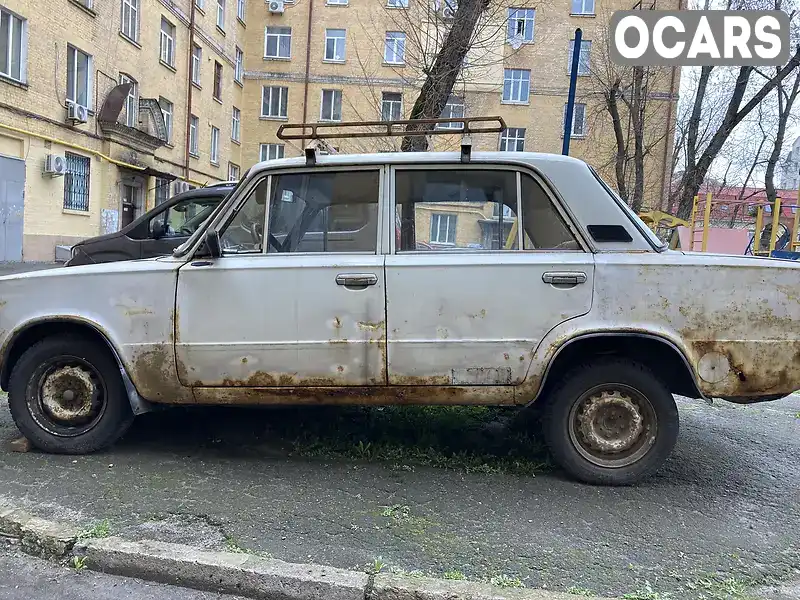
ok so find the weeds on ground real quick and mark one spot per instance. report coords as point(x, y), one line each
point(579, 591)
point(506, 581)
point(78, 563)
point(646, 593)
point(101, 529)
point(377, 566)
point(715, 587)
point(454, 575)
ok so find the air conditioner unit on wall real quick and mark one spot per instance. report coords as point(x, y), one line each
point(179, 187)
point(55, 165)
point(77, 113)
point(276, 7)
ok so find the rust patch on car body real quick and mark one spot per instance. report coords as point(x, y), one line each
point(154, 373)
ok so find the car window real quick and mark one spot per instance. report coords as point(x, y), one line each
point(460, 210)
point(245, 231)
point(185, 217)
point(544, 229)
point(324, 212)
point(156, 225)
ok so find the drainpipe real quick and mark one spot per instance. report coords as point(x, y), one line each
point(308, 65)
point(666, 173)
point(189, 90)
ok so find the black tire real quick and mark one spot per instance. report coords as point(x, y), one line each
point(90, 417)
point(603, 403)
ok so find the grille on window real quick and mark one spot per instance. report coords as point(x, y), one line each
point(76, 182)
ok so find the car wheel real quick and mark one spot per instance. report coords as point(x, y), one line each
point(610, 422)
point(67, 396)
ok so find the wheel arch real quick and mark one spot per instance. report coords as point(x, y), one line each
point(37, 329)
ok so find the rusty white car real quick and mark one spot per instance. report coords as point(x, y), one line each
point(407, 278)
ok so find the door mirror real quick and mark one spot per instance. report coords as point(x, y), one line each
point(213, 244)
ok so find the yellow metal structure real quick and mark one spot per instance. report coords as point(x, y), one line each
point(692, 221)
point(794, 244)
point(512, 235)
point(776, 219)
point(706, 219)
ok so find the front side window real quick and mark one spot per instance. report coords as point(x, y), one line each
point(167, 110)
point(578, 120)
point(167, 43)
point(395, 48)
point(454, 109)
point(131, 107)
point(391, 106)
point(245, 232)
point(215, 145)
point(130, 19)
point(12, 45)
point(274, 101)
point(236, 125)
point(520, 24)
point(324, 212)
point(79, 77)
point(331, 105)
point(76, 182)
point(512, 139)
point(516, 85)
point(278, 42)
point(583, 59)
point(544, 229)
point(272, 151)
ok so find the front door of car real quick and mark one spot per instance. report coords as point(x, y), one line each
point(484, 265)
point(302, 306)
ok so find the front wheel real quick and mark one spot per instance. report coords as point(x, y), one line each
point(67, 396)
point(611, 422)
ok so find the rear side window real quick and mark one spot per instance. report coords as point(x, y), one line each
point(544, 227)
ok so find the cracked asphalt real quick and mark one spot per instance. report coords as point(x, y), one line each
point(726, 503)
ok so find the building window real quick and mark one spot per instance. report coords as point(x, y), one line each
point(76, 182)
point(278, 42)
point(578, 120)
point(582, 7)
point(512, 139)
point(214, 146)
point(130, 19)
point(162, 190)
point(233, 172)
point(197, 61)
point(79, 77)
point(395, 51)
point(337, 2)
point(221, 14)
point(194, 131)
point(274, 101)
point(236, 125)
point(241, 10)
point(201, 4)
point(238, 69)
point(272, 151)
point(167, 110)
point(218, 81)
point(131, 107)
point(391, 106)
point(454, 109)
point(13, 31)
point(520, 24)
point(331, 105)
point(583, 59)
point(516, 85)
point(443, 229)
point(167, 42)
point(334, 44)
point(397, 3)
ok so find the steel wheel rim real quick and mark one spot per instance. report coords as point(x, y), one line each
point(612, 425)
point(67, 396)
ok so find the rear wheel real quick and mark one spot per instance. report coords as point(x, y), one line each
point(611, 422)
point(67, 396)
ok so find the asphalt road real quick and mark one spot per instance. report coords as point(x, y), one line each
point(722, 514)
point(26, 578)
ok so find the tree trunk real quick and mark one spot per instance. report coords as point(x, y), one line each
point(612, 105)
point(637, 113)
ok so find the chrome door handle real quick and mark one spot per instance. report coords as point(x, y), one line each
point(356, 279)
point(564, 278)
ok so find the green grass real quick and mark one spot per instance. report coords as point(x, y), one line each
point(78, 563)
point(579, 591)
point(377, 566)
point(102, 529)
point(717, 587)
point(469, 439)
point(506, 581)
point(645, 593)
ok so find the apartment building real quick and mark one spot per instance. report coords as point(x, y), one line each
point(108, 107)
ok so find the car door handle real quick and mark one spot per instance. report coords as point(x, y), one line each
point(356, 279)
point(564, 278)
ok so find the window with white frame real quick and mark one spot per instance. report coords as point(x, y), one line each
point(516, 85)
point(274, 101)
point(578, 120)
point(217, 91)
point(334, 44)
point(582, 7)
point(394, 51)
point(337, 2)
point(391, 106)
point(238, 68)
point(241, 10)
point(397, 3)
point(13, 43)
point(131, 101)
point(454, 109)
point(233, 172)
point(167, 110)
point(236, 125)
point(443, 229)
point(167, 53)
point(272, 151)
point(79, 77)
point(278, 42)
point(129, 24)
point(221, 14)
point(197, 61)
point(194, 135)
point(520, 24)
point(331, 109)
point(201, 4)
point(214, 145)
point(512, 139)
point(583, 59)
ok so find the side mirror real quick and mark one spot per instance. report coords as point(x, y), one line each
point(159, 230)
point(213, 244)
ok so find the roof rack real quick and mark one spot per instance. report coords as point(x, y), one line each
point(288, 131)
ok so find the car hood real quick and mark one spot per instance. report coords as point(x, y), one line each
point(95, 269)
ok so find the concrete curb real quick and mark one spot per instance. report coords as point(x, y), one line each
point(238, 573)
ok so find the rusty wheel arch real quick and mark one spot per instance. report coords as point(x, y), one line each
point(682, 378)
point(38, 329)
